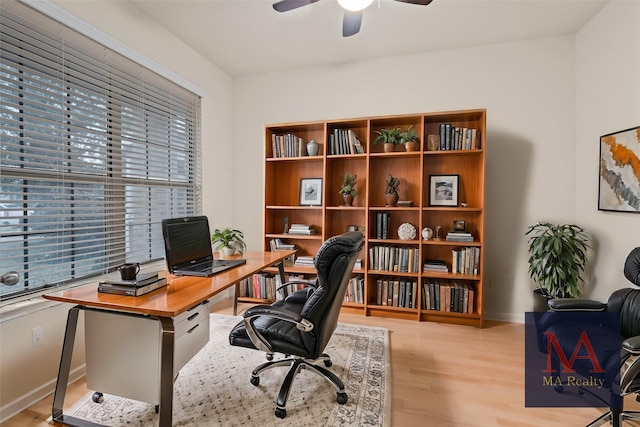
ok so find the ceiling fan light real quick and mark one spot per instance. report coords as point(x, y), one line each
point(355, 5)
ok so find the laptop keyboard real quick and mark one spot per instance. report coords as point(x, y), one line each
point(205, 265)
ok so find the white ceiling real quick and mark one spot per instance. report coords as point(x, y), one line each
point(248, 37)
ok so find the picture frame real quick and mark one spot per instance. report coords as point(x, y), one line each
point(459, 225)
point(311, 192)
point(619, 170)
point(443, 190)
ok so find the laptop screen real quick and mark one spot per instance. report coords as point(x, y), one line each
point(186, 241)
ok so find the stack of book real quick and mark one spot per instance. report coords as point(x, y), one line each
point(459, 236)
point(301, 229)
point(279, 245)
point(143, 284)
point(435, 265)
point(304, 261)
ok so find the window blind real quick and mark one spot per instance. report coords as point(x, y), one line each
point(96, 151)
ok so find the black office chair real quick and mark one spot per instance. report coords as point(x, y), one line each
point(300, 325)
point(622, 364)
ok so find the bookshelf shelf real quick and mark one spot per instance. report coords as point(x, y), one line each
point(346, 147)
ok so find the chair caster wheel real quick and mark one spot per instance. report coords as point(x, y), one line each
point(280, 413)
point(97, 397)
point(328, 363)
point(341, 398)
point(269, 357)
point(255, 381)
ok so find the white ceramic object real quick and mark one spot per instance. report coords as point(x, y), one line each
point(407, 231)
point(427, 233)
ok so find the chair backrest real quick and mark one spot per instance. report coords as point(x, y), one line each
point(627, 301)
point(334, 266)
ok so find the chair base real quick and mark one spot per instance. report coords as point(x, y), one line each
point(296, 364)
point(615, 418)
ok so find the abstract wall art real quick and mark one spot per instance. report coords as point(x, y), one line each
point(619, 187)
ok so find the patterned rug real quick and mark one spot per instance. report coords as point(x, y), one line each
point(213, 389)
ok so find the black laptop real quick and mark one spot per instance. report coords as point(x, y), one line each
point(187, 246)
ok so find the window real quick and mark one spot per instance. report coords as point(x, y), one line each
point(96, 151)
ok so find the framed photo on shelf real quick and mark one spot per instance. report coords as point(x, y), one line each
point(619, 184)
point(443, 190)
point(311, 192)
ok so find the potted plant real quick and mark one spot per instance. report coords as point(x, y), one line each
point(347, 190)
point(389, 137)
point(391, 192)
point(228, 240)
point(557, 259)
point(410, 139)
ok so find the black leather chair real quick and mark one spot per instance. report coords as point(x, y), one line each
point(300, 325)
point(621, 365)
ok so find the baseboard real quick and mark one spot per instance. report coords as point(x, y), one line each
point(34, 396)
point(505, 317)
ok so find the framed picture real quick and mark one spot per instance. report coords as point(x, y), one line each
point(619, 185)
point(311, 192)
point(443, 190)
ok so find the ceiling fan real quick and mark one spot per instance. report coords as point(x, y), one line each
point(352, 11)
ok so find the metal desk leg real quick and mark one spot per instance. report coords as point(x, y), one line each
point(235, 299)
point(63, 373)
point(281, 271)
point(166, 371)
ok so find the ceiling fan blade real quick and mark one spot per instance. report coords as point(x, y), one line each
point(285, 5)
point(351, 23)
point(418, 2)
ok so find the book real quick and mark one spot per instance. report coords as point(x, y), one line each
point(435, 265)
point(134, 291)
point(141, 280)
point(301, 226)
point(301, 229)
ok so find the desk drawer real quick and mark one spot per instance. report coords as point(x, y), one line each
point(190, 342)
point(184, 322)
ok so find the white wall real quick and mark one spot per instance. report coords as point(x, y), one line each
point(528, 91)
point(608, 100)
point(28, 374)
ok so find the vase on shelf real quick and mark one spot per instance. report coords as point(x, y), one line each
point(313, 148)
point(391, 199)
point(347, 199)
point(411, 145)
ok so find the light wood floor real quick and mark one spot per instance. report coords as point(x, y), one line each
point(442, 375)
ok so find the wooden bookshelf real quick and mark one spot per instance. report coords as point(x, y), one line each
point(282, 199)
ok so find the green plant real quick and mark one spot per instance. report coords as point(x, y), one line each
point(348, 184)
point(388, 136)
point(228, 238)
point(408, 135)
point(557, 258)
point(392, 185)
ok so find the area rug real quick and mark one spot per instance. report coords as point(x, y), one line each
point(213, 389)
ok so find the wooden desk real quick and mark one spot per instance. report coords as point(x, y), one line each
point(180, 294)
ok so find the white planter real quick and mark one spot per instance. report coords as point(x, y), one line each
point(227, 251)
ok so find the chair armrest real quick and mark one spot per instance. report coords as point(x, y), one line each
point(310, 283)
point(574, 304)
point(258, 340)
point(632, 345)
